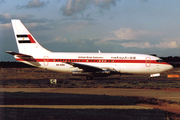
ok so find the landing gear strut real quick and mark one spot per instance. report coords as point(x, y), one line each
point(89, 77)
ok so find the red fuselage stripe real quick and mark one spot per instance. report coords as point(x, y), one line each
point(92, 61)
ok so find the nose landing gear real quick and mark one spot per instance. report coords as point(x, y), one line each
point(154, 75)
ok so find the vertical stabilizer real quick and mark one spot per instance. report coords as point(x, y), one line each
point(26, 43)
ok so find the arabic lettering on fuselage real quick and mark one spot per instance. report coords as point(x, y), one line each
point(113, 57)
point(124, 58)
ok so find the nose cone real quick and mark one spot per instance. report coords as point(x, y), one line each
point(169, 67)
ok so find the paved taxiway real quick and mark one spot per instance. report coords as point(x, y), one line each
point(78, 106)
point(173, 96)
point(69, 101)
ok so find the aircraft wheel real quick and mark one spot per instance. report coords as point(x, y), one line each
point(89, 78)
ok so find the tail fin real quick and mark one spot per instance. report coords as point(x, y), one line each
point(26, 43)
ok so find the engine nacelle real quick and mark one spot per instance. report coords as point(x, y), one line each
point(79, 73)
point(102, 73)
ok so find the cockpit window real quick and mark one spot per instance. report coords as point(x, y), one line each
point(159, 61)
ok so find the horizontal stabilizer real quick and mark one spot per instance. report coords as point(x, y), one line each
point(18, 54)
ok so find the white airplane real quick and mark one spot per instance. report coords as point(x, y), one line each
point(83, 64)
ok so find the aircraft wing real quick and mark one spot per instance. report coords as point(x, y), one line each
point(86, 68)
point(18, 54)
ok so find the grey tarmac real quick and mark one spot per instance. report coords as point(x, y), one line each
point(77, 106)
point(173, 96)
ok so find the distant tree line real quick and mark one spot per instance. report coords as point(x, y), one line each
point(8, 64)
point(175, 61)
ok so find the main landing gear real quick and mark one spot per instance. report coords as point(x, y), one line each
point(89, 77)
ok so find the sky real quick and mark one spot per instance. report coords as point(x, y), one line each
point(112, 26)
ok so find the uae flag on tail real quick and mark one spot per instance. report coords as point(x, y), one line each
point(25, 39)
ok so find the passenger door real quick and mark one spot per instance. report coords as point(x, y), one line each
point(46, 60)
point(148, 62)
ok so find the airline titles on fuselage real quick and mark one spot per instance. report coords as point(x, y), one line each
point(90, 57)
point(124, 58)
point(113, 57)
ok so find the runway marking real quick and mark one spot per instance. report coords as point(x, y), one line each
point(77, 106)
